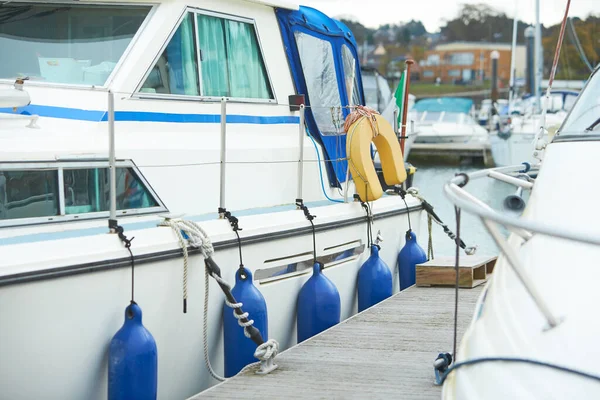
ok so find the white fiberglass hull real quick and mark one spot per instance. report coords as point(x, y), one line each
point(517, 146)
point(451, 133)
point(507, 322)
point(61, 301)
point(516, 149)
point(453, 138)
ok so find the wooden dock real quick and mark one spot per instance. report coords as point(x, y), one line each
point(384, 352)
point(457, 151)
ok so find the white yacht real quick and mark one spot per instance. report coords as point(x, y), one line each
point(533, 334)
point(446, 120)
point(195, 86)
point(513, 142)
point(485, 110)
point(377, 89)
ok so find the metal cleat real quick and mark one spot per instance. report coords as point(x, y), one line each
point(266, 367)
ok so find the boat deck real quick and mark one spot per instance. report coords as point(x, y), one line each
point(386, 351)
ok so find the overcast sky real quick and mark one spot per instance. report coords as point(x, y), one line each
point(432, 13)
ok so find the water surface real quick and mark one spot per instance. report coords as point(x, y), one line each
point(430, 180)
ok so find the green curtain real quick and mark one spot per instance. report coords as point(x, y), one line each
point(188, 58)
point(181, 56)
point(211, 34)
point(247, 73)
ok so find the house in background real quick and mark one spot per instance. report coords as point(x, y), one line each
point(467, 62)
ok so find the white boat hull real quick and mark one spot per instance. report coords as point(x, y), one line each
point(516, 149)
point(518, 146)
point(455, 138)
point(67, 316)
point(508, 323)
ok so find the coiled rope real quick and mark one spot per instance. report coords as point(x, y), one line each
point(198, 238)
point(360, 112)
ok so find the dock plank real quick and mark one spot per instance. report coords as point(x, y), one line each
point(385, 352)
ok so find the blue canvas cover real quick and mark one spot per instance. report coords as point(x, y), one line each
point(448, 104)
point(312, 22)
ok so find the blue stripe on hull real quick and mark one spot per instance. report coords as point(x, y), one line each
point(144, 116)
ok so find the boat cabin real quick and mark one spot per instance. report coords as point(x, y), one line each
point(174, 69)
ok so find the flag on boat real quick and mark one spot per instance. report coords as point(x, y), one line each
point(399, 95)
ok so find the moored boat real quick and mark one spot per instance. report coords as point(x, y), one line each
point(446, 120)
point(189, 88)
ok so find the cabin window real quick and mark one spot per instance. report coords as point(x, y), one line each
point(350, 76)
point(231, 60)
point(452, 117)
point(212, 56)
point(87, 190)
point(431, 116)
point(65, 43)
point(32, 193)
point(26, 194)
point(176, 71)
point(318, 66)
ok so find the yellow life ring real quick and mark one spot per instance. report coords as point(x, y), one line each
point(358, 148)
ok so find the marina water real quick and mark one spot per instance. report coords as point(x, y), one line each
point(430, 180)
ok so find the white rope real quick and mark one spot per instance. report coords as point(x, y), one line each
point(198, 238)
point(205, 332)
point(267, 351)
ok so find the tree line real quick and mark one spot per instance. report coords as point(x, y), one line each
point(482, 23)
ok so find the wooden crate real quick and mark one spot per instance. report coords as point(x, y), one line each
point(472, 271)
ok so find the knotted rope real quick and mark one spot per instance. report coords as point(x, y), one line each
point(360, 112)
point(198, 238)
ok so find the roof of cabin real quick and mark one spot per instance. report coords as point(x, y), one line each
point(448, 104)
point(287, 4)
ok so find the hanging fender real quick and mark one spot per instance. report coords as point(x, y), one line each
point(362, 133)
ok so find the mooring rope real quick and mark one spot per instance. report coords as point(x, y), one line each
point(469, 250)
point(300, 204)
point(430, 241)
point(118, 229)
point(198, 238)
point(360, 112)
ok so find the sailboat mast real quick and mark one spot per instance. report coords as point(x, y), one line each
point(538, 56)
point(513, 54)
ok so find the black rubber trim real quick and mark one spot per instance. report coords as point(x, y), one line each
point(125, 262)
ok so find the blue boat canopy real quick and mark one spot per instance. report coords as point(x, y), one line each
point(323, 58)
point(448, 104)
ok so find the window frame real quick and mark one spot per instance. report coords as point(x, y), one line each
point(355, 86)
point(124, 56)
point(62, 216)
point(202, 98)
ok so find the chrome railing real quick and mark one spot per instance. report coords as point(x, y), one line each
point(525, 228)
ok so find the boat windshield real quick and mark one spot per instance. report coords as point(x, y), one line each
point(431, 116)
point(451, 117)
point(584, 118)
point(65, 43)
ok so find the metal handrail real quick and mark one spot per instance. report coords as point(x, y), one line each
point(464, 200)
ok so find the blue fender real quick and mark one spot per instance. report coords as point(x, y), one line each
point(239, 350)
point(410, 255)
point(374, 281)
point(132, 360)
point(319, 305)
